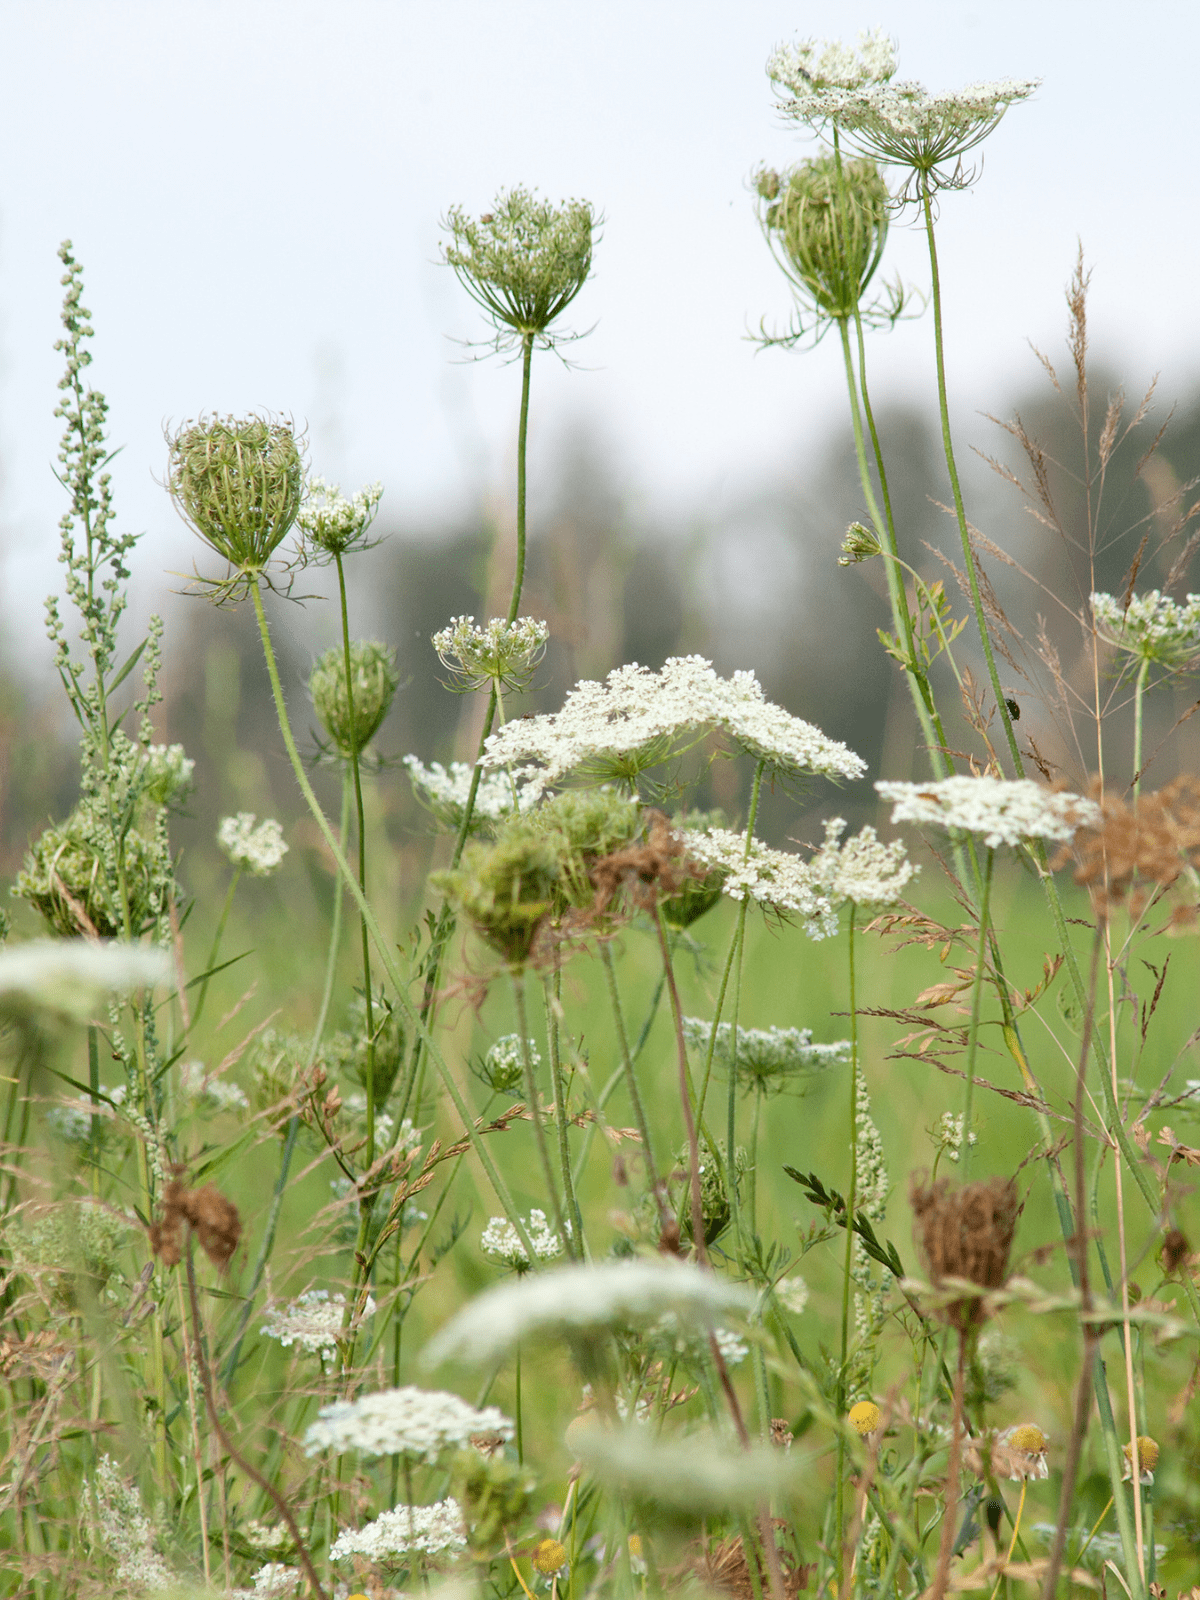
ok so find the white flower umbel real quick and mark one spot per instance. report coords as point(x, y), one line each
point(406, 1530)
point(274, 1581)
point(774, 879)
point(446, 792)
point(948, 1135)
point(862, 870)
point(999, 810)
point(898, 122)
point(501, 652)
point(698, 1472)
point(333, 523)
point(417, 1423)
point(259, 850)
point(792, 1294)
point(127, 1532)
point(768, 1056)
point(636, 719)
point(1152, 627)
point(168, 772)
point(583, 1299)
point(813, 64)
point(504, 1064)
point(501, 1241)
point(314, 1321)
point(74, 977)
point(217, 1092)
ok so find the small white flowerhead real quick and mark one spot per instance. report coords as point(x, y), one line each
point(418, 1423)
point(768, 1059)
point(314, 1322)
point(792, 1294)
point(168, 774)
point(417, 1530)
point(1152, 628)
point(813, 64)
point(999, 810)
point(74, 977)
point(259, 850)
point(332, 525)
point(445, 792)
point(501, 652)
point(501, 1241)
point(863, 870)
point(774, 879)
point(503, 1068)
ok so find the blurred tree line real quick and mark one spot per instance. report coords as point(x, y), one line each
point(753, 584)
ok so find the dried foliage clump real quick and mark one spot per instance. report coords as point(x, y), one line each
point(214, 1219)
point(1142, 847)
point(966, 1233)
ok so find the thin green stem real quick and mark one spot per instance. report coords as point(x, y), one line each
point(522, 435)
point(1138, 693)
point(956, 488)
point(533, 1105)
point(635, 1098)
point(573, 1242)
point(976, 1006)
point(731, 1102)
point(848, 1261)
point(216, 944)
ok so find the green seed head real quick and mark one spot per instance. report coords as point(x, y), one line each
point(524, 261)
point(70, 877)
point(373, 680)
point(827, 230)
point(239, 481)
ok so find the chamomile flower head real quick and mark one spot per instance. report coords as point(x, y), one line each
point(500, 652)
point(864, 1418)
point(502, 1242)
point(259, 849)
point(1148, 1452)
point(373, 682)
point(549, 1557)
point(1024, 1450)
point(446, 791)
point(1152, 628)
point(523, 262)
point(332, 525)
point(861, 870)
point(581, 1301)
point(406, 1530)
point(637, 719)
point(999, 810)
point(774, 879)
point(420, 1424)
point(313, 1322)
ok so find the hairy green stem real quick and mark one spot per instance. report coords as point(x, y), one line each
point(573, 1242)
point(639, 1112)
point(976, 1006)
point(848, 1263)
point(1138, 693)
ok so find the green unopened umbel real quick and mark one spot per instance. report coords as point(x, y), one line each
point(826, 222)
point(239, 481)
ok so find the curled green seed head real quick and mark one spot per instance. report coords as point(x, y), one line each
point(373, 680)
point(239, 481)
point(827, 228)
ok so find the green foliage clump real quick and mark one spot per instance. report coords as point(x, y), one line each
point(73, 877)
point(72, 1249)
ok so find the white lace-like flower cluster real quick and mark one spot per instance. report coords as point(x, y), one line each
point(314, 1321)
point(500, 652)
point(331, 521)
point(948, 1136)
point(1152, 627)
point(637, 718)
point(862, 870)
point(218, 1092)
point(168, 772)
point(446, 792)
point(766, 1053)
point(581, 1298)
point(127, 1532)
point(272, 1582)
point(260, 850)
point(69, 1120)
point(417, 1423)
point(74, 976)
point(502, 1242)
point(694, 1342)
point(814, 64)
point(416, 1530)
point(792, 1294)
point(1000, 810)
point(774, 879)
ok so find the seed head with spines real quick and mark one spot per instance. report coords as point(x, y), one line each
point(239, 481)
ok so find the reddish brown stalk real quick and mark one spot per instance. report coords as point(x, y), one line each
point(251, 1472)
point(950, 1515)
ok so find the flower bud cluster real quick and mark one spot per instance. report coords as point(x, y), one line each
point(373, 680)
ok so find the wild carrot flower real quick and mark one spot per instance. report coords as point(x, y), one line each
point(501, 1241)
point(417, 1423)
point(503, 1068)
point(373, 680)
point(582, 1300)
point(769, 1058)
point(501, 652)
point(773, 879)
point(75, 976)
point(816, 64)
point(792, 1294)
point(862, 870)
point(334, 525)
point(445, 792)
point(1000, 810)
point(1152, 627)
point(168, 773)
point(260, 850)
point(523, 262)
point(414, 1530)
point(313, 1321)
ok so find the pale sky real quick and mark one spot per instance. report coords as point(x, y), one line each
point(255, 189)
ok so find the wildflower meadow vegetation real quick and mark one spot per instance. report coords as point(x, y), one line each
point(566, 1249)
